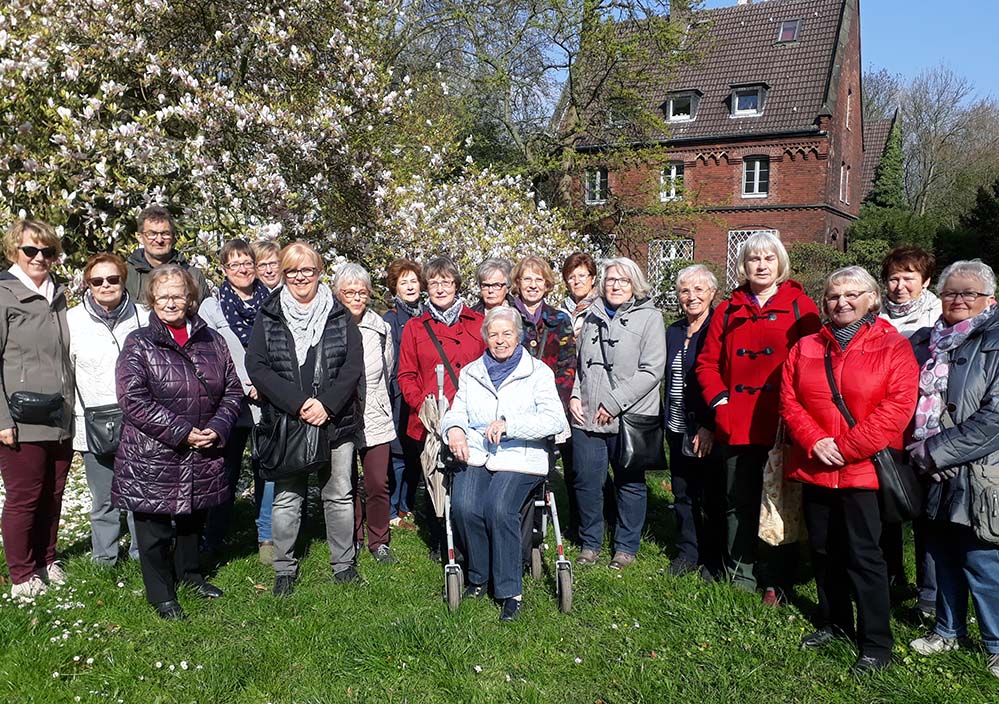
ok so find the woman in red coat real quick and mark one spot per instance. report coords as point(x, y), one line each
point(458, 330)
point(877, 375)
point(739, 374)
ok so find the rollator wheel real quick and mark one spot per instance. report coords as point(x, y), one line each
point(565, 590)
point(536, 563)
point(452, 589)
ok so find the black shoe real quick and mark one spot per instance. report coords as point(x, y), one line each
point(707, 575)
point(818, 639)
point(384, 555)
point(474, 591)
point(678, 568)
point(435, 555)
point(205, 589)
point(347, 576)
point(868, 663)
point(170, 611)
point(510, 610)
point(284, 585)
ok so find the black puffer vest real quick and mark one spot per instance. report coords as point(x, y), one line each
point(333, 346)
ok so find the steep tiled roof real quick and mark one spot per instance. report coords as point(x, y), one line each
point(875, 140)
point(741, 47)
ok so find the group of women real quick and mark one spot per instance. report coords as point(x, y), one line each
point(275, 346)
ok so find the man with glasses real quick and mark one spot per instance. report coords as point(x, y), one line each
point(156, 232)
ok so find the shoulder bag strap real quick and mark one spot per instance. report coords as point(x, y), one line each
point(440, 353)
point(837, 397)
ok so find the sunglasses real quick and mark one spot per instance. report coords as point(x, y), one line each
point(31, 252)
point(98, 281)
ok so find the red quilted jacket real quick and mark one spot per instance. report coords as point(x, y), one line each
point(879, 379)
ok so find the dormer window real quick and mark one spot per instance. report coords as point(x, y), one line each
point(682, 106)
point(747, 100)
point(789, 31)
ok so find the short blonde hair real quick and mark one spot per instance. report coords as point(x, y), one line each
point(171, 271)
point(297, 252)
point(639, 284)
point(42, 231)
point(533, 263)
point(265, 248)
point(696, 271)
point(858, 275)
point(764, 243)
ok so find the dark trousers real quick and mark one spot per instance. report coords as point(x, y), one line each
point(219, 517)
point(926, 571)
point(571, 526)
point(892, 547)
point(34, 478)
point(375, 507)
point(161, 571)
point(698, 505)
point(844, 531)
point(405, 476)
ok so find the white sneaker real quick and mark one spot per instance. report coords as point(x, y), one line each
point(994, 664)
point(28, 590)
point(933, 643)
point(53, 574)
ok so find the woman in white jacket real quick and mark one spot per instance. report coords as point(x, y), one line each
point(97, 329)
point(352, 287)
point(505, 411)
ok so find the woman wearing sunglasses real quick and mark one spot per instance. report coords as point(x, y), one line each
point(36, 406)
point(98, 328)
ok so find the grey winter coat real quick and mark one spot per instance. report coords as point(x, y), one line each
point(34, 348)
point(625, 377)
point(973, 404)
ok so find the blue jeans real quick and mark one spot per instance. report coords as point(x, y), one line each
point(964, 563)
point(263, 499)
point(485, 510)
point(590, 455)
point(405, 476)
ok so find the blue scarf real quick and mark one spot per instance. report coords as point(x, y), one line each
point(238, 313)
point(498, 371)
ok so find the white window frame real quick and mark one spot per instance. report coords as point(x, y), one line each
point(670, 117)
point(780, 31)
point(757, 159)
point(747, 90)
point(592, 192)
point(846, 186)
point(668, 177)
point(734, 243)
point(661, 267)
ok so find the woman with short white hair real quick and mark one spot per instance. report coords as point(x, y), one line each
point(739, 373)
point(620, 364)
point(352, 287)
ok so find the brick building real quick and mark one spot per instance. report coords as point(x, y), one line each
point(765, 133)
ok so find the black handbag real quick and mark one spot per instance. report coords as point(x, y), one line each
point(285, 445)
point(33, 408)
point(103, 427)
point(640, 438)
point(902, 493)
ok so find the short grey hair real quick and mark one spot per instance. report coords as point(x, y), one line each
point(491, 266)
point(860, 276)
point(443, 267)
point(696, 271)
point(764, 242)
point(507, 313)
point(639, 284)
point(351, 272)
point(974, 268)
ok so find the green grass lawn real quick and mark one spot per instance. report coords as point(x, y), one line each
point(640, 636)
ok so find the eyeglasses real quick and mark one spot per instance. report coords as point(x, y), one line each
point(448, 285)
point(306, 272)
point(965, 296)
point(614, 281)
point(849, 296)
point(98, 281)
point(530, 280)
point(360, 295)
point(158, 234)
point(268, 266)
point(164, 300)
point(31, 252)
point(491, 287)
point(236, 266)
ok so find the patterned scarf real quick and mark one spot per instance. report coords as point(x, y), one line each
point(306, 321)
point(447, 317)
point(933, 375)
point(413, 310)
point(846, 333)
point(901, 310)
point(238, 313)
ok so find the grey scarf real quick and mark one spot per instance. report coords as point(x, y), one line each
point(306, 321)
point(448, 317)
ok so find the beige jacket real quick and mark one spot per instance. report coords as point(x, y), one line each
point(379, 361)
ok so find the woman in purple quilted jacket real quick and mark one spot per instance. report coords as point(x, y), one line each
point(180, 397)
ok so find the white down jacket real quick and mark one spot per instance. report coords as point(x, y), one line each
point(93, 351)
point(529, 403)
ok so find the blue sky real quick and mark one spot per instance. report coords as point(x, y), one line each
point(906, 36)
